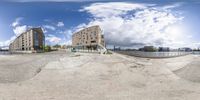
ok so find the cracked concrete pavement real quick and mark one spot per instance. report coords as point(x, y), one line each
point(79, 76)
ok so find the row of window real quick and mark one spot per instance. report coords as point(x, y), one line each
point(80, 43)
point(85, 33)
point(26, 48)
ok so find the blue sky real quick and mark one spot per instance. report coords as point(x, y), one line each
point(125, 23)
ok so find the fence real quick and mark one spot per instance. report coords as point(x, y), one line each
point(154, 54)
point(4, 52)
point(87, 51)
point(196, 52)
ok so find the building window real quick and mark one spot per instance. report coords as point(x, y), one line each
point(93, 41)
point(36, 41)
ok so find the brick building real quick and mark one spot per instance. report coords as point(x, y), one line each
point(89, 38)
point(30, 41)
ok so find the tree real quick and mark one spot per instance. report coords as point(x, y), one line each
point(57, 46)
point(47, 48)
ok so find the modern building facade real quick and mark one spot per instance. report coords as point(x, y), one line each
point(185, 49)
point(30, 41)
point(90, 38)
point(163, 49)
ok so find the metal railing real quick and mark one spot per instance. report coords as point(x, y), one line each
point(4, 52)
point(196, 52)
point(100, 49)
point(154, 54)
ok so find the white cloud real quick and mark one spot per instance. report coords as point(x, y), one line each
point(112, 8)
point(50, 27)
point(69, 42)
point(44, 30)
point(53, 39)
point(17, 21)
point(17, 29)
point(60, 24)
point(175, 5)
point(133, 24)
point(52, 0)
point(20, 29)
point(66, 34)
point(7, 42)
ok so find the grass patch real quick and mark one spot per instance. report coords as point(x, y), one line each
point(109, 52)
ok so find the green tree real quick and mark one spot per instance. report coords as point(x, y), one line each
point(47, 48)
point(57, 46)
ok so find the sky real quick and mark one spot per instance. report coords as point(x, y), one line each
point(125, 23)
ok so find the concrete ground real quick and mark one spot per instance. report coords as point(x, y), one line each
point(67, 76)
point(14, 68)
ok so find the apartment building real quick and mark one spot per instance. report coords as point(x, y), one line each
point(89, 38)
point(30, 41)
